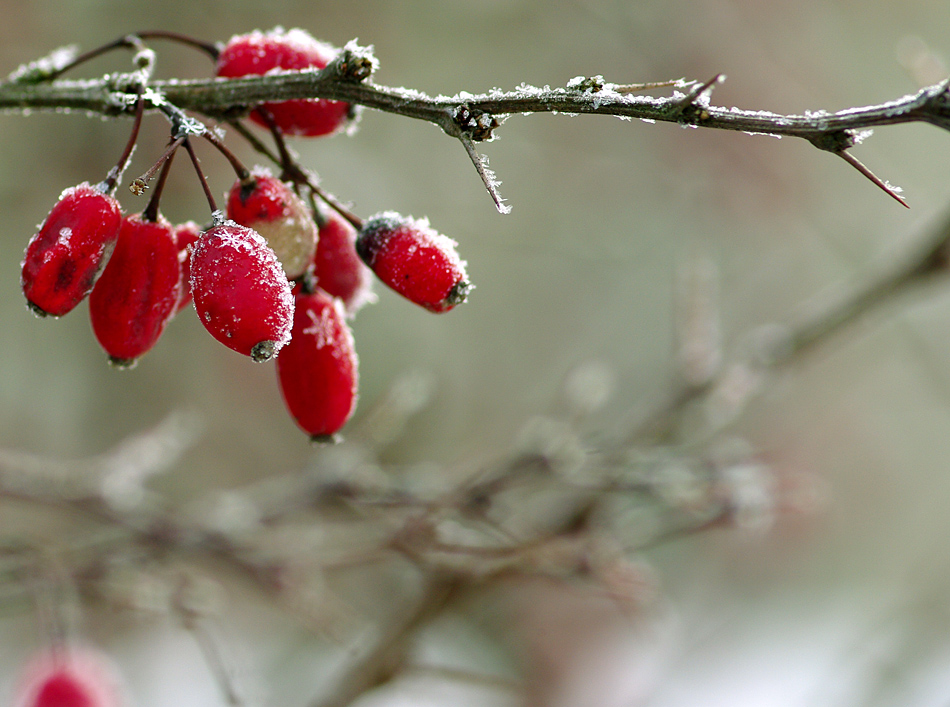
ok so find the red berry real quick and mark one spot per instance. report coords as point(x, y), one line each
point(138, 291)
point(66, 255)
point(271, 208)
point(414, 260)
point(337, 267)
point(185, 236)
point(318, 370)
point(258, 53)
point(68, 678)
point(241, 294)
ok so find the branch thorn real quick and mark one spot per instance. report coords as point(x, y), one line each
point(488, 177)
point(891, 190)
point(690, 98)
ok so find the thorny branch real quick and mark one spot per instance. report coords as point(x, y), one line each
point(112, 489)
point(475, 117)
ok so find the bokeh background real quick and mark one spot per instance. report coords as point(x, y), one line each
point(847, 605)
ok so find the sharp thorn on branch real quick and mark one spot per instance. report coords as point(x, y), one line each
point(634, 87)
point(690, 98)
point(487, 176)
point(891, 190)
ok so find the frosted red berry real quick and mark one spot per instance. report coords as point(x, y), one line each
point(267, 205)
point(337, 267)
point(138, 291)
point(240, 292)
point(68, 678)
point(258, 53)
point(318, 370)
point(413, 259)
point(185, 236)
point(68, 252)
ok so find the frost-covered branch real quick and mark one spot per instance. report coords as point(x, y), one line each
point(476, 117)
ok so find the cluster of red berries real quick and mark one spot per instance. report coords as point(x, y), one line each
point(275, 277)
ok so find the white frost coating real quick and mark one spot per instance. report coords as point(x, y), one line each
point(860, 136)
point(52, 62)
point(892, 188)
point(295, 38)
point(241, 239)
point(426, 235)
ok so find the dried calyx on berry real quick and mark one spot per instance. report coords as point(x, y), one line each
point(265, 204)
point(240, 292)
point(318, 370)
point(138, 292)
point(69, 250)
point(414, 260)
point(337, 267)
point(258, 53)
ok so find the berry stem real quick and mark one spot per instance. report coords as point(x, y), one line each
point(151, 210)
point(140, 184)
point(287, 162)
point(293, 172)
point(201, 176)
point(115, 174)
point(240, 170)
point(128, 41)
point(212, 50)
point(134, 41)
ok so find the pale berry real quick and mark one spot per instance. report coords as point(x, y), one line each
point(185, 236)
point(138, 291)
point(267, 205)
point(318, 370)
point(68, 252)
point(258, 53)
point(337, 267)
point(413, 259)
point(68, 678)
point(240, 292)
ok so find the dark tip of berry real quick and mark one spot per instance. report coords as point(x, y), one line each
point(248, 187)
point(122, 363)
point(325, 440)
point(263, 351)
point(459, 292)
point(37, 312)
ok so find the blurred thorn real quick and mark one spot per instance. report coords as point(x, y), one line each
point(697, 320)
point(125, 469)
point(588, 387)
point(386, 421)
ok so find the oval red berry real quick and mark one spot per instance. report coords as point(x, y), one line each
point(138, 291)
point(68, 677)
point(185, 236)
point(240, 292)
point(318, 370)
point(271, 208)
point(338, 268)
point(258, 53)
point(417, 262)
point(68, 252)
